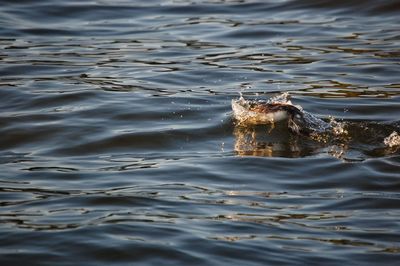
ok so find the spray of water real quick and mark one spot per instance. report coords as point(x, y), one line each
point(392, 140)
point(306, 122)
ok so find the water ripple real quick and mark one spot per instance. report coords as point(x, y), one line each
point(118, 143)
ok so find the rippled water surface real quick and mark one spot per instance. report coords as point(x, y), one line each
point(118, 145)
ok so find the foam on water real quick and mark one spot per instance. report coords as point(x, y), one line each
point(392, 140)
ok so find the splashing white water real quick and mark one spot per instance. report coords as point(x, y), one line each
point(244, 114)
point(338, 128)
point(392, 140)
point(281, 98)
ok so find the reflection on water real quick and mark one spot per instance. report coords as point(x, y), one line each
point(258, 142)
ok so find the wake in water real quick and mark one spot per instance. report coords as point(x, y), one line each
point(280, 109)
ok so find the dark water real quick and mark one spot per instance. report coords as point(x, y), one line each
point(118, 148)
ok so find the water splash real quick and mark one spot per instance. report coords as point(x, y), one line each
point(283, 98)
point(309, 122)
point(302, 121)
point(392, 140)
point(247, 112)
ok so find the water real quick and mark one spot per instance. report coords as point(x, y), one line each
point(118, 147)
